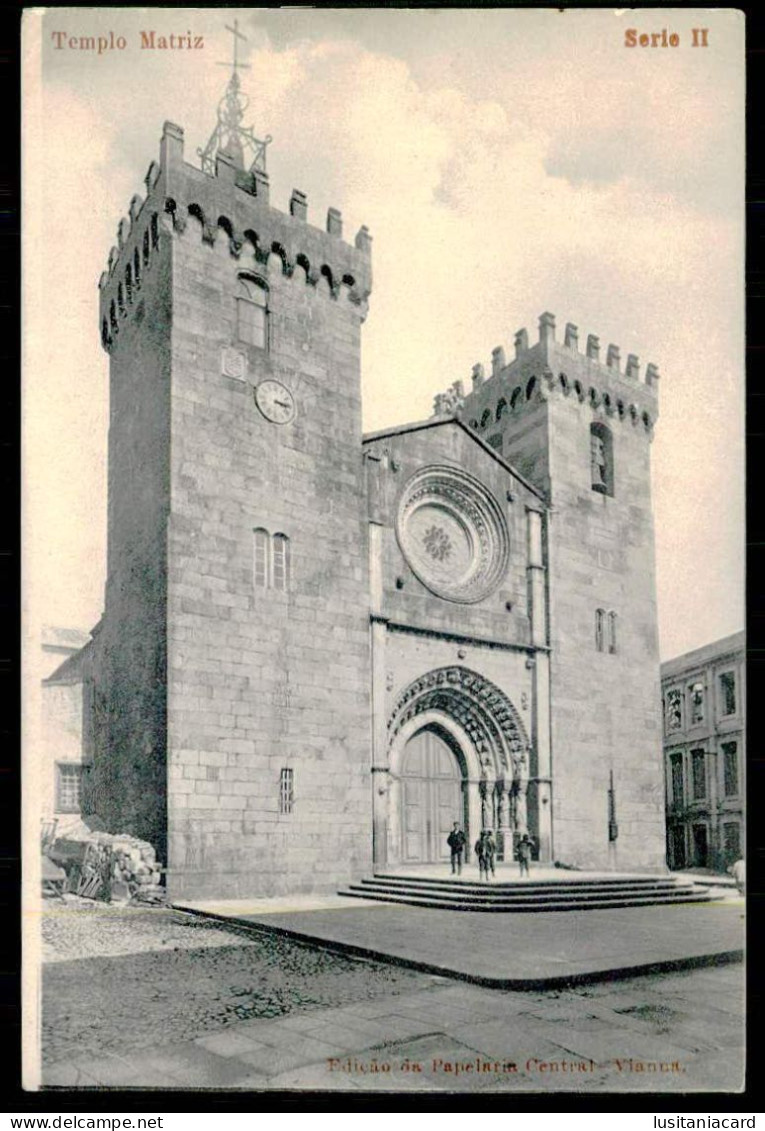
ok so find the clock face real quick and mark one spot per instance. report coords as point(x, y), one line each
point(275, 401)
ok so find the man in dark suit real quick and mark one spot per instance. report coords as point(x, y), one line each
point(456, 842)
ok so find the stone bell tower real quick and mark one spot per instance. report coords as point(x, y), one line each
point(580, 428)
point(232, 677)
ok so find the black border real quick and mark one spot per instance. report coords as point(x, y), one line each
point(116, 1101)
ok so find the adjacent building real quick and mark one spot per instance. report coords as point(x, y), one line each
point(64, 750)
point(704, 700)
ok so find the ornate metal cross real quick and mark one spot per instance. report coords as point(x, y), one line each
point(237, 34)
point(229, 134)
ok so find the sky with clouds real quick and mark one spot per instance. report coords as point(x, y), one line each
point(507, 162)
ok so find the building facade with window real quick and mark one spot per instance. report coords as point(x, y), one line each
point(320, 649)
point(704, 702)
point(64, 753)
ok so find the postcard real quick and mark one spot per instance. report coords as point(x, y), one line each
point(384, 702)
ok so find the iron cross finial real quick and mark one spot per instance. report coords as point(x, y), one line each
point(229, 135)
point(237, 34)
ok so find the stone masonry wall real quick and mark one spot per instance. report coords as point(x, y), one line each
point(605, 708)
point(260, 679)
point(127, 787)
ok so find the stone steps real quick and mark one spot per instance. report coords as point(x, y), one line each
point(569, 895)
point(595, 883)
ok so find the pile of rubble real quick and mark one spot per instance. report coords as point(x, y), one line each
point(112, 867)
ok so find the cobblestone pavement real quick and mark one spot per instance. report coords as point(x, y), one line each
point(155, 975)
point(263, 1012)
point(85, 928)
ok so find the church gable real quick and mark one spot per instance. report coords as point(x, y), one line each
point(452, 545)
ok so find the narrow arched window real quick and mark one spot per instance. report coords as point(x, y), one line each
point(137, 268)
point(600, 629)
point(252, 312)
point(129, 283)
point(154, 230)
point(601, 459)
point(146, 246)
point(486, 418)
point(261, 546)
point(501, 408)
point(281, 575)
point(612, 632)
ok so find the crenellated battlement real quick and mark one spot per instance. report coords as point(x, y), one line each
point(232, 205)
point(549, 368)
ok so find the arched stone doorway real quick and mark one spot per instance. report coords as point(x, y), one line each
point(433, 795)
point(473, 723)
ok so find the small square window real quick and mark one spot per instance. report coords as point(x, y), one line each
point(252, 324)
point(601, 459)
point(286, 790)
point(676, 766)
point(728, 693)
point(699, 774)
point(696, 695)
point(68, 787)
point(730, 768)
point(252, 313)
point(673, 711)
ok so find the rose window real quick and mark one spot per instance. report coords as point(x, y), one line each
point(453, 534)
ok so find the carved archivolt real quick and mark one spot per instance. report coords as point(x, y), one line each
point(484, 712)
point(453, 534)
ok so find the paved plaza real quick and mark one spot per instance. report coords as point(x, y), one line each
point(509, 950)
point(197, 1004)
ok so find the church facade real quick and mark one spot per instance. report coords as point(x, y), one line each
point(320, 649)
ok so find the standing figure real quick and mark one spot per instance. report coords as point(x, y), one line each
point(525, 846)
point(490, 851)
point(480, 853)
point(456, 842)
point(486, 851)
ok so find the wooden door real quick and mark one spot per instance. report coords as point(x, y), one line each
point(432, 798)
